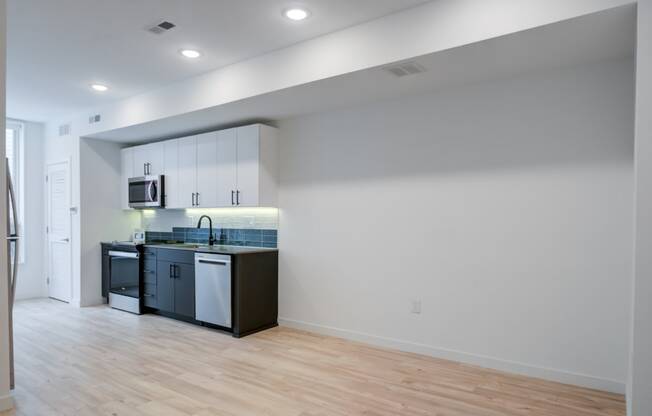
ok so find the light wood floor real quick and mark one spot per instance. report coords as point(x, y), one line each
point(97, 361)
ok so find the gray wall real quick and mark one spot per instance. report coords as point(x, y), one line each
point(5, 400)
point(640, 389)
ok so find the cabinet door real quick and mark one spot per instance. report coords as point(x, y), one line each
point(155, 158)
point(165, 286)
point(140, 160)
point(184, 290)
point(226, 167)
point(127, 156)
point(187, 171)
point(171, 172)
point(148, 159)
point(248, 165)
point(206, 170)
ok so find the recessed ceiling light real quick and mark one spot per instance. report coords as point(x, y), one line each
point(99, 87)
point(296, 13)
point(190, 53)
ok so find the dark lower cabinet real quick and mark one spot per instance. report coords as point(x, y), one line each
point(175, 282)
point(165, 286)
point(184, 290)
point(105, 271)
point(169, 287)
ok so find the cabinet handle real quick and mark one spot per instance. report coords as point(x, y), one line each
point(144, 169)
point(237, 197)
point(176, 271)
point(171, 272)
point(193, 199)
point(232, 202)
point(197, 199)
point(149, 165)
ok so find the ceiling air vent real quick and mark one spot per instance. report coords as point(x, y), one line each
point(405, 68)
point(161, 28)
point(64, 129)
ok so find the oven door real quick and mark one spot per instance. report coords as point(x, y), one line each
point(124, 273)
point(146, 192)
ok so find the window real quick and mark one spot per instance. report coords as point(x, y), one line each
point(13, 146)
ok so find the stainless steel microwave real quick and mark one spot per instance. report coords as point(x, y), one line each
point(146, 192)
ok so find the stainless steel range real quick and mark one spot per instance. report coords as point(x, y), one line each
point(125, 277)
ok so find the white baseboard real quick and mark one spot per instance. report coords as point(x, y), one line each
point(560, 376)
point(6, 403)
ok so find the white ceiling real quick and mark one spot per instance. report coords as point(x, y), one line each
point(608, 35)
point(56, 49)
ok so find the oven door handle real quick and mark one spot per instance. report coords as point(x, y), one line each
point(124, 254)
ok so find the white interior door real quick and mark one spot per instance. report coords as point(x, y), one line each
point(58, 223)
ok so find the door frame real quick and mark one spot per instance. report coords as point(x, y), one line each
point(68, 163)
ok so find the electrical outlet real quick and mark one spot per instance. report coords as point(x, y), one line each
point(415, 307)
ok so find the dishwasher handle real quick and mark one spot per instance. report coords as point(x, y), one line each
point(219, 262)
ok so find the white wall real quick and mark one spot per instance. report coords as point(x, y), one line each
point(5, 397)
point(640, 385)
point(31, 273)
point(101, 214)
point(505, 208)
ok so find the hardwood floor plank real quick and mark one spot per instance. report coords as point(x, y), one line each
point(99, 361)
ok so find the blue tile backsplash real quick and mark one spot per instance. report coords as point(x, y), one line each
point(225, 236)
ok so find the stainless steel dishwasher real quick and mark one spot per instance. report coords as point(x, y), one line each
point(213, 289)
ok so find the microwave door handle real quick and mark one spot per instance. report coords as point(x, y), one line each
point(151, 191)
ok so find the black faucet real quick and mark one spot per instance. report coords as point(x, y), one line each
point(211, 239)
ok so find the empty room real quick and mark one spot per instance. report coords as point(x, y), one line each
point(326, 207)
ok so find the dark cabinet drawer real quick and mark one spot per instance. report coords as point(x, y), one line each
point(150, 295)
point(149, 276)
point(176, 256)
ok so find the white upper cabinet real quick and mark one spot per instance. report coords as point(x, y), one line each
point(149, 159)
point(187, 172)
point(206, 196)
point(227, 168)
point(249, 166)
point(127, 156)
point(171, 174)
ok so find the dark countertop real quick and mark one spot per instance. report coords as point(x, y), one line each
point(217, 249)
